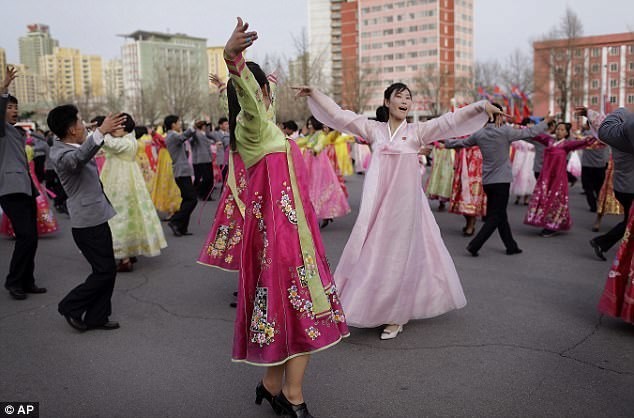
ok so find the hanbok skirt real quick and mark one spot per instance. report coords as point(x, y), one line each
point(467, 194)
point(223, 245)
point(329, 199)
point(440, 182)
point(607, 203)
point(287, 301)
point(617, 299)
point(165, 192)
point(524, 181)
point(136, 228)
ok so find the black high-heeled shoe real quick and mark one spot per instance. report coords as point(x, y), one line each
point(262, 393)
point(288, 409)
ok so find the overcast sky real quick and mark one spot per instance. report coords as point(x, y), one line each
point(92, 26)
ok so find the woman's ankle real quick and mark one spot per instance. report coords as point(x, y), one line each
point(293, 395)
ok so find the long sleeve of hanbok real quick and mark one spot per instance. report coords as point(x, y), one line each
point(617, 130)
point(329, 113)
point(463, 121)
point(577, 144)
point(543, 139)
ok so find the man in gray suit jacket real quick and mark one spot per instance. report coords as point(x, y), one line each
point(17, 196)
point(494, 143)
point(88, 305)
point(183, 172)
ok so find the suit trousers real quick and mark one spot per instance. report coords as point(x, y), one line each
point(496, 218)
point(614, 235)
point(188, 194)
point(592, 180)
point(38, 164)
point(21, 210)
point(92, 299)
point(203, 179)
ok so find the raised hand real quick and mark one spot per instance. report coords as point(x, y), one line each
point(496, 114)
point(302, 91)
point(12, 74)
point(240, 39)
point(549, 118)
point(112, 123)
point(215, 80)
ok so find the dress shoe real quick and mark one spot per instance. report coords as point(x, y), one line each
point(474, 253)
point(597, 250)
point(186, 233)
point(126, 267)
point(281, 404)
point(108, 326)
point(514, 251)
point(175, 230)
point(262, 393)
point(389, 335)
point(17, 294)
point(35, 290)
point(324, 223)
point(547, 233)
point(78, 324)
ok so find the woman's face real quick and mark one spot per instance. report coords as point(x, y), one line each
point(309, 126)
point(399, 104)
point(561, 132)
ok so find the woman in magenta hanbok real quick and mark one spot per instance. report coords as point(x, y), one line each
point(395, 266)
point(288, 306)
point(548, 207)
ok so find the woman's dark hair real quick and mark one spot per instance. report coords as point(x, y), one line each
point(169, 121)
point(290, 124)
point(139, 131)
point(317, 125)
point(382, 113)
point(98, 120)
point(129, 124)
point(13, 99)
point(568, 127)
point(234, 104)
point(61, 118)
point(499, 106)
point(526, 121)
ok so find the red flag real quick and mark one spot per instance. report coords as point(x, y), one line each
point(516, 114)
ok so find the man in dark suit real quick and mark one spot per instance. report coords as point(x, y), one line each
point(17, 196)
point(88, 305)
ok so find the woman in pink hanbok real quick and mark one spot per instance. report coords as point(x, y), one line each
point(548, 208)
point(288, 306)
point(395, 266)
point(326, 193)
point(524, 181)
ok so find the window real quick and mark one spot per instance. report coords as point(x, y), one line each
point(615, 50)
point(631, 65)
point(596, 52)
point(614, 83)
point(577, 69)
point(594, 100)
point(595, 84)
point(614, 67)
point(594, 68)
point(630, 82)
point(578, 52)
point(612, 99)
point(631, 49)
point(630, 99)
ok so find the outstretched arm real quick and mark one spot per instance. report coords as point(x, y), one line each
point(12, 73)
point(329, 113)
point(617, 130)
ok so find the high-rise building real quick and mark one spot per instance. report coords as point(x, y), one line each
point(320, 42)
point(35, 44)
point(114, 78)
point(426, 44)
point(369, 44)
point(150, 59)
point(67, 75)
point(216, 62)
point(594, 71)
point(26, 86)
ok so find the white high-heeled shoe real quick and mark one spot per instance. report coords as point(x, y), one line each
point(388, 335)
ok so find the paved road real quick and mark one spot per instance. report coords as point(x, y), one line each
point(530, 342)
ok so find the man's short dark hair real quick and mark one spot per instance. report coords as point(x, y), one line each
point(222, 120)
point(290, 124)
point(13, 99)
point(61, 118)
point(169, 121)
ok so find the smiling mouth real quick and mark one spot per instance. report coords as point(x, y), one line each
point(402, 108)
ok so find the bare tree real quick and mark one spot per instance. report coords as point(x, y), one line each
point(429, 83)
point(562, 61)
point(518, 71)
point(181, 92)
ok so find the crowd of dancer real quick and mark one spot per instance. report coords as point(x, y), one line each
point(278, 188)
